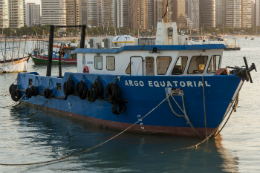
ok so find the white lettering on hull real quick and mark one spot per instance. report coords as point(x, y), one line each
point(171, 84)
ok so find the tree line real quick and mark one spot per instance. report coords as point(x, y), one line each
point(38, 31)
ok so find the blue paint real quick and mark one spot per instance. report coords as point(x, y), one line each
point(150, 48)
point(142, 98)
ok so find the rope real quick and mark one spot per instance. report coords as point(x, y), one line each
point(41, 106)
point(15, 104)
point(66, 157)
point(184, 111)
point(204, 105)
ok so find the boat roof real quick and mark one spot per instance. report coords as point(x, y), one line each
point(150, 48)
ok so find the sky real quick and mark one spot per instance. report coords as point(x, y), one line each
point(33, 1)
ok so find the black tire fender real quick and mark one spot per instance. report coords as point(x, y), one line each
point(16, 95)
point(35, 91)
point(115, 93)
point(28, 92)
point(80, 87)
point(65, 88)
point(89, 95)
point(108, 90)
point(118, 107)
point(12, 88)
point(100, 88)
point(47, 93)
point(83, 94)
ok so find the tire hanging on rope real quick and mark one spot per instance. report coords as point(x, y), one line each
point(16, 95)
point(28, 93)
point(47, 93)
point(68, 87)
point(118, 108)
point(12, 88)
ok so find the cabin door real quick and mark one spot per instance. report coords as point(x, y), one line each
point(136, 66)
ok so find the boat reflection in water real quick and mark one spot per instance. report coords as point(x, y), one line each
point(48, 135)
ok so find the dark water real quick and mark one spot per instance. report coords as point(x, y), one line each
point(48, 135)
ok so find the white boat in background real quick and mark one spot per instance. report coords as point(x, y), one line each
point(15, 65)
point(11, 62)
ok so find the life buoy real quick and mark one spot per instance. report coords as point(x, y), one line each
point(85, 69)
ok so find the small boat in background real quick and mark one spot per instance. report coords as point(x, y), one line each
point(10, 64)
point(252, 38)
point(40, 56)
point(246, 37)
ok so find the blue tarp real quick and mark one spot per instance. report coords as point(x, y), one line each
point(150, 48)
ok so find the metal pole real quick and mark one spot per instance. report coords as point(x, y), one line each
point(83, 33)
point(50, 50)
point(60, 57)
point(5, 51)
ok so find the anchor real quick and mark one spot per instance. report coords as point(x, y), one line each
point(244, 73)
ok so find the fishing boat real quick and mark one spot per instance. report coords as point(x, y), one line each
point(40, 57)
point(168, 88)
point(12, 62)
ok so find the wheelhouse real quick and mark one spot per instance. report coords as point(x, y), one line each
point(171, 60)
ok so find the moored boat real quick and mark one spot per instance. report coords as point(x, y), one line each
point(167, 88)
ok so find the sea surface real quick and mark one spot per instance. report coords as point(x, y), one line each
point(47, 136)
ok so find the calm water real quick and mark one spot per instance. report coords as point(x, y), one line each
point(47, 136)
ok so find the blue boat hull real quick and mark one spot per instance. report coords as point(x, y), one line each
point(143, 93)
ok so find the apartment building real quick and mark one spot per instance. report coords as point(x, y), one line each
point(4, 14)
point(207, 13)
point(53, 12)
point(16, 13)
point(73, 12)
point(138, 14)
point(32, 14)
point(246, 11)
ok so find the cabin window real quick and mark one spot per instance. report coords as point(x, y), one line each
point(163, 65)
point(214, 64)
point(111, 63)
point(197, 64)
point(127, 71)
point(180, 65)
point(149, 66)
point(98, 62)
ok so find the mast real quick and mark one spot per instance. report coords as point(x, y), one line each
point(24, 46)
point(13, 52)
point(19, 47)
point(5, 51)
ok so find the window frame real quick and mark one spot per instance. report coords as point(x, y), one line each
point(210, 62)
point(153, 64)
point(114, 63)
point(188, 62)
point(190, 59)
point(95, 62)
point(157, 65)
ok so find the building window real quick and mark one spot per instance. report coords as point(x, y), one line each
point(180, 65)
point(111, 63)
point(163, 65)
point(197, 64)
point(214, 64)
point(149, 66)
point(98, 61)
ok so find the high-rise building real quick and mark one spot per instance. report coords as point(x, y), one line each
point(207, 13)
point(257, 12)
point(4, 14)
point(53, 12)
point(253, 12)
point(94, 13)
point(233, 13)
point(84, 12)
point(108, 9)
point(158, 12)
point(73, 12)
point(121, 13)
point(24, 17)
point(220, 12)
point(246, 11)
point(138, 14)
point(193, 12)
point(32, 14)
point(178, 12)
point(16, 13)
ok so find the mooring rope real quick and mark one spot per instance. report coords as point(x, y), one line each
point(41, 106)
point(66, 157)
point(204, 105)
point(184, 111)
point(15, 104)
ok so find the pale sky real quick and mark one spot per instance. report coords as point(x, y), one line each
point(33, 1)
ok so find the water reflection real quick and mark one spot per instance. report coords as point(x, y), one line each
point(49, 135)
